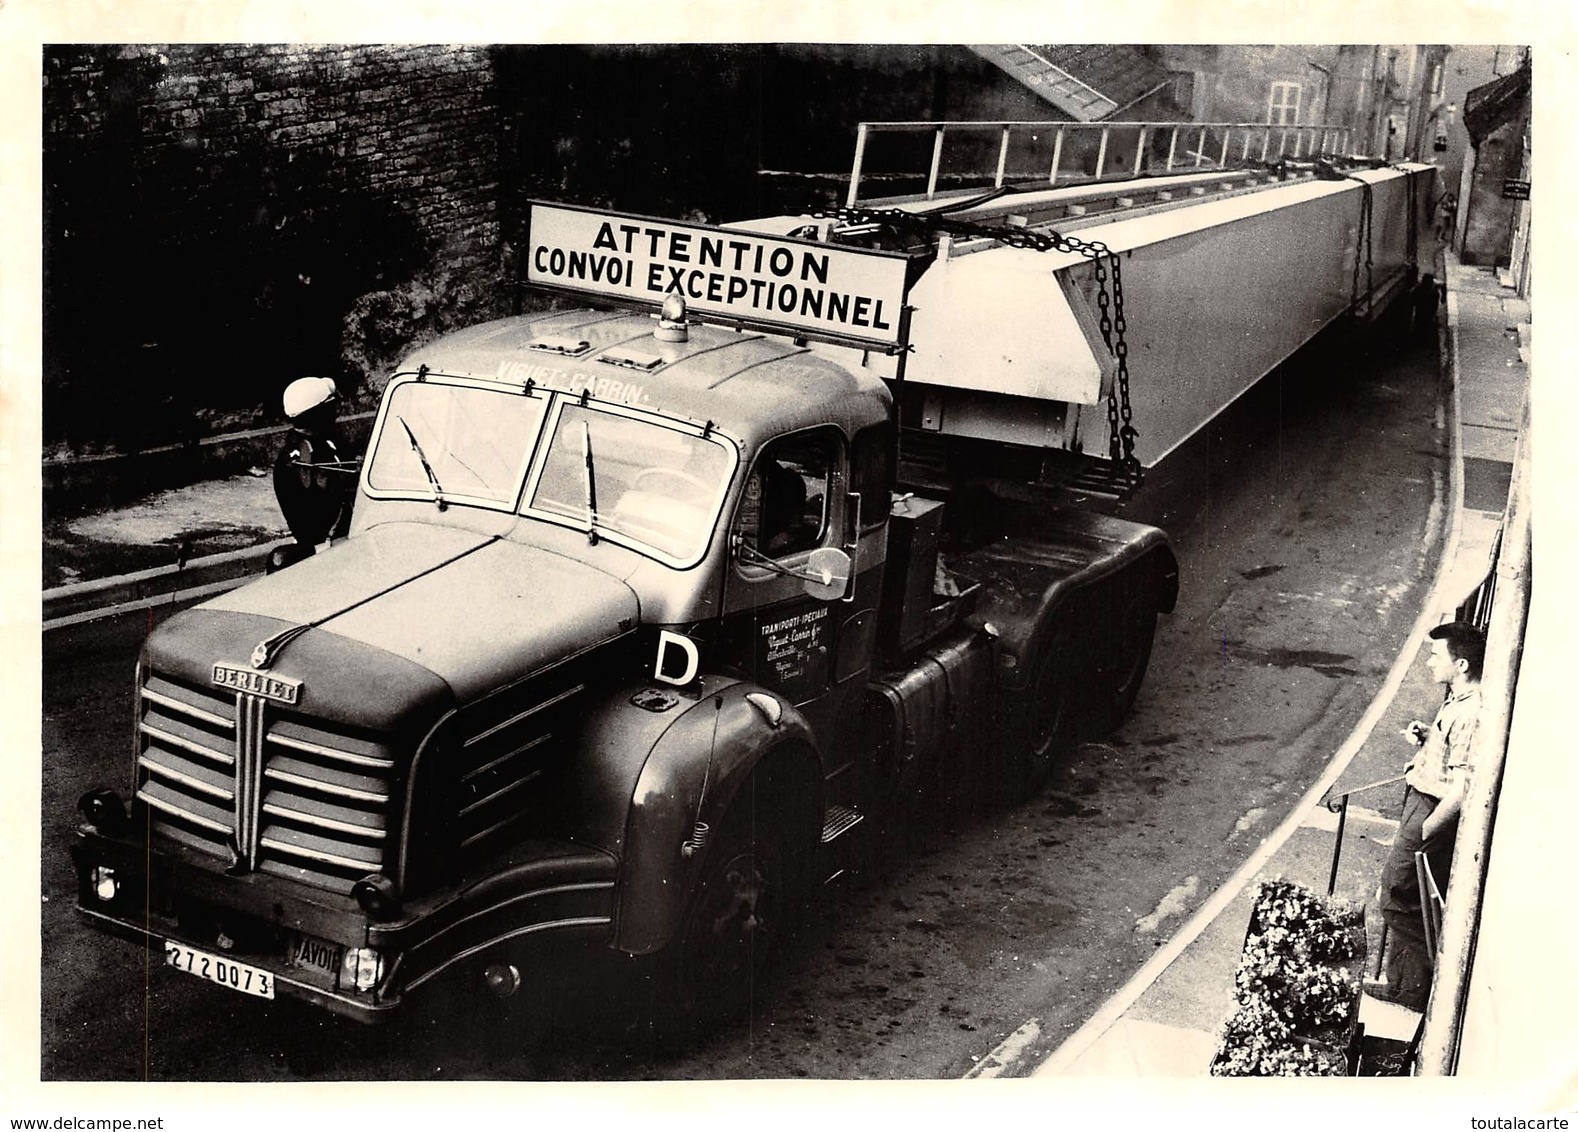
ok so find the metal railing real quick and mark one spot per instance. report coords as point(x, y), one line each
point(1441, 1037)
point(1338, 804)
point(1189, 145)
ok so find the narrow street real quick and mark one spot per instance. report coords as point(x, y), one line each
point(1306, 522)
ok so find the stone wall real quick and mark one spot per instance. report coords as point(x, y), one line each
point(220, 219)
point(1491, 220)
point(414, 125)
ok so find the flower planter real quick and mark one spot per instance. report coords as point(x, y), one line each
point(1298, 985)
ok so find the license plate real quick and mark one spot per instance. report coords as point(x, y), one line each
point(217, 969)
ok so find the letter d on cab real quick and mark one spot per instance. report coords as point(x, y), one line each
point(664, 669)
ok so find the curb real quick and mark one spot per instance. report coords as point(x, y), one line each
point(81, 602)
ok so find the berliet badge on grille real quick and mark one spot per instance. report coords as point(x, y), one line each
point(265, 684)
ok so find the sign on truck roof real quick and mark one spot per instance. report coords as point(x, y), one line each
point(804, 287)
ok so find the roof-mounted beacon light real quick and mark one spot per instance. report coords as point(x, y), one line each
point(672, 325)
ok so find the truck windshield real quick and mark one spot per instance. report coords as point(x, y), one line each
point(474, 441)
point(654, 485)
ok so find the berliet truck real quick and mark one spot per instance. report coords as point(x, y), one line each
point(647, 610)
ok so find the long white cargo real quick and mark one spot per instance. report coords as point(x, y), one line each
point(1217, 292)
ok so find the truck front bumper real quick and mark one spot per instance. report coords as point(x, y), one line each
point(547, 902)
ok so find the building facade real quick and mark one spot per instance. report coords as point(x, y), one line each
point(1493, 221)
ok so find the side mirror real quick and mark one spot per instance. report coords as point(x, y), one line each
point(826, 573)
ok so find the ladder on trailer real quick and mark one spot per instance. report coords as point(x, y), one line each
point(1068, 153)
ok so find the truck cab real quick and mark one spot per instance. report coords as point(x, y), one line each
point(634, 627)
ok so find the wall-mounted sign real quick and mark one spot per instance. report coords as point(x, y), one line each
point(1515, 190)
point(802, 286)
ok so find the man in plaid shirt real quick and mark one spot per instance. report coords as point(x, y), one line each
point(1437, 779)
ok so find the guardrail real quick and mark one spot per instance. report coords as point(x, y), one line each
point(77, 484)
point(1205, 145)
point(1441, 1037)
point(84, 602)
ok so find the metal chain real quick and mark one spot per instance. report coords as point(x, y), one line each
point(1109, 305)
point(1413, 226)
point(1103, 304)
point(1120, 350)
point(1369, 245)
point(1366, 215)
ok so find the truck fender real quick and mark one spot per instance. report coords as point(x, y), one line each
point(1162, 565)
point(694, 773)
point(1028, 581)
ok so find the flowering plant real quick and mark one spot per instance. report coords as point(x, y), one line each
point(1255, 1020)
point(1309, 997)
point(1295, 984)
point(1291, 917)
point(1259, 1057)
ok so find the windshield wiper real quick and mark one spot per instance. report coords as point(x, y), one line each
point(591, 483)
point(438, 490)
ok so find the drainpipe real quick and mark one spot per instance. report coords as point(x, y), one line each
point(1377, 95)
point(1327, 85)
point(1387, 98)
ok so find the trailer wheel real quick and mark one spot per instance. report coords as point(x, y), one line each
point(1128, 655)
point(736, 917)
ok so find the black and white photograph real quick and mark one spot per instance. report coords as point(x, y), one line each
point(735, 556)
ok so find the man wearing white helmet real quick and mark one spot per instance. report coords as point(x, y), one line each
point(313, 480)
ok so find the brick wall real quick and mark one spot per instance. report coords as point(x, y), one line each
point(215, 214)
point(413, 124)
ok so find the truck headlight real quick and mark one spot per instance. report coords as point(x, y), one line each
point(377, 896)
point(361, 968)
point(105, 811)
point(105, 886)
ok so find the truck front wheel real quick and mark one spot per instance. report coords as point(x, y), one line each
point(735, 920)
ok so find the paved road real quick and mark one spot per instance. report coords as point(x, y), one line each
point(1306, 524)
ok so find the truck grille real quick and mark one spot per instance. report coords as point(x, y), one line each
point(510, 746)
point(251, 782)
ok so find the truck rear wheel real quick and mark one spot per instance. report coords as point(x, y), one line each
point(1129, 639)
point(1051, 717)
point(1039, 727)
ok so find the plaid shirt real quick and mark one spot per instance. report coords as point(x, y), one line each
point(1444, 760)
